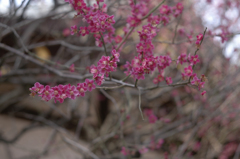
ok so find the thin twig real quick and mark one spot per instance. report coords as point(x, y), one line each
point(66, 44)
point(136, 83)
point(57, 72)
point(32, 54)
point(125, 38)
point(198, 50)
point(103, 43)
point(125, 78)
point(175, 33)
point(139, 104)
point(153, 10)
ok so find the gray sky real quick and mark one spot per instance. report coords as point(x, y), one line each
point(38, 7)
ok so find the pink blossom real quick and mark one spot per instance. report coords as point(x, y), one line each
point(153, 20)
point(47, 93)
point(133, 21)
point(38, 88)
point(179, 6)
point(139, 10)
point(103, 62)
point(78, 5)
point(110, 20)
point(182, 58)
point(177, 9)
point(62, 94)
point(203, 78)
point(165, 20)
point(181, 31)
point(112, 65)
point(152, 118)
point(124, 151)
point(140, 47)
point(159, 143)
point(90, 85)
point(116, 55)
point(148, 112)
point(188, 71)
point(118, 39)
point(72, 68)
point(74, 30)
point(194, 59)
point(104, 7)
point(128, 66)
point(99, 80)
point(144, 36)
point(83, 31)
point(163, 62)
point(169, 80)
point(158, 79)
point(82, 88)
point(149, 64)
point(32, 94)
point(149, 47)
point(199, 37)
point(72, 92)
point(56, 92)
point(196, 81)
point(94, 70)
point(164, 9)
point(66, 32)
point(155, 81)
point(138, 73)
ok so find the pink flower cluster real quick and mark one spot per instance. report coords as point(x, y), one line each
point(188, 71)
point(166, 11)
point(193, 60)
point(124, 151)
point(151, 117)
point(158, 79)
point(199, 39)
point(72, 68)
point(197, 82)
point(194, 79)
point(139, 10)
point(145, 62)
point(98, 21)
point(105, 65)
point(61, 92)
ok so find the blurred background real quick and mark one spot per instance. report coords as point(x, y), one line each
point(36, 46)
